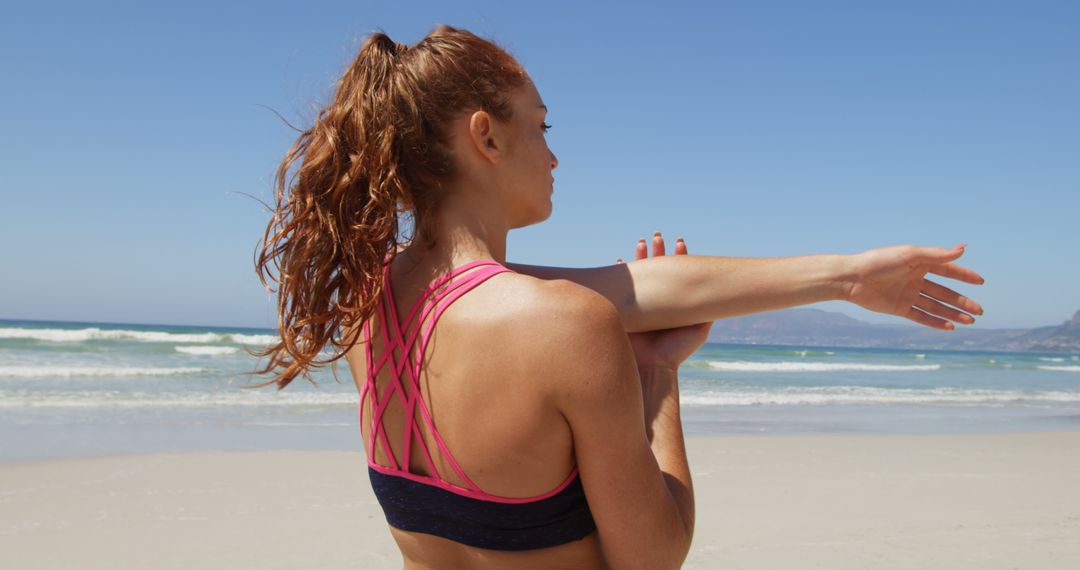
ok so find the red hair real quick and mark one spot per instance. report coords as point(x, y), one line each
point(378, 152)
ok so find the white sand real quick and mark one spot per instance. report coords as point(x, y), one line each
point(971, 501)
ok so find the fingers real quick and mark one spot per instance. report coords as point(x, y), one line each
point(939, 258)
point(939, 254)
point(954, 271)
point(933, 307)
point(925, 319)
point(928, 308)
point(657, 245)
point(641, 250)
point(951, 297)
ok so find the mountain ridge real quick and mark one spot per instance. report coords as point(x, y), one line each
point(816, 327)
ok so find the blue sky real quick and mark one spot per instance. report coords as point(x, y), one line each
point(754, 129)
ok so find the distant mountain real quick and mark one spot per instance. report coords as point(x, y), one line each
point(1062, 338)
point(814, 327)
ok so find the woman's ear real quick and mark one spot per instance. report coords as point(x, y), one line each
point(484, 136)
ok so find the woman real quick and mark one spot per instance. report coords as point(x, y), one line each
point(509, 420)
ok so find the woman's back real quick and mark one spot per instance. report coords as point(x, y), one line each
point(524, 380)
point(494, 414)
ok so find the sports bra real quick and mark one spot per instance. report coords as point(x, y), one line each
point(431, 504)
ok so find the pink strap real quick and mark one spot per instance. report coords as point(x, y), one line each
point(409, 402)
point(434, 302)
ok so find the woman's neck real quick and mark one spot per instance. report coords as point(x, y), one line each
point(463, 233)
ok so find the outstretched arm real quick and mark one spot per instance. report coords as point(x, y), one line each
point(671, 291)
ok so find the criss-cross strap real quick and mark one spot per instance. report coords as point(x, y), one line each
point(411, 338)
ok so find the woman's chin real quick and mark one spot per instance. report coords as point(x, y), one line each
point(546, 212)
point(536, 217)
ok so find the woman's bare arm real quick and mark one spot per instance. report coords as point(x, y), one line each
point(626, 426)
point(670, 291)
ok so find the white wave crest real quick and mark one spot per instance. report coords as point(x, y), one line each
point(1048, 359)
point(94, 333)
point(132, 399)
point(68, 371)
point(869, 395)
point(741, 366)
point(207, 350)
point(813, 352)
point(1060, 368)
point(253, 338)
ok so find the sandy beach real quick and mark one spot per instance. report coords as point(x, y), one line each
point(871, 501)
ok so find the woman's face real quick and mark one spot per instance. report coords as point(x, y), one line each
point(527, 176)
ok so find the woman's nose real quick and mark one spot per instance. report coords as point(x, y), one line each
point(554, 161)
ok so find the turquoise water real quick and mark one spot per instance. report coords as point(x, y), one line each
point(77, 389)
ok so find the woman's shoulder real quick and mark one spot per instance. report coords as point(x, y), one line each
point(546, 299)
point(556, 319)
point(563, 336)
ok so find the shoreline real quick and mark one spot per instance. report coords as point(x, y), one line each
point(1000, 500)
point(40, 434)
point(114, 442)
point(723, 341)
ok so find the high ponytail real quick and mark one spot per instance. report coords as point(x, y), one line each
point(378, 152)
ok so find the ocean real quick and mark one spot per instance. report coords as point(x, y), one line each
point(94, 389)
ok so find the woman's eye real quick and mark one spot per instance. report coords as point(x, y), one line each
point(545, 126)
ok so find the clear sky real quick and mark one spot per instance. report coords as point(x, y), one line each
point(754, 129)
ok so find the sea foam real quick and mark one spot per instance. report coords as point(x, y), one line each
point(741, 366)
point(813, 352)
point(136, 399)
point(94, 333)
point(1060, 368)
point(208, 350)
point(112, 371)
point(869, 395)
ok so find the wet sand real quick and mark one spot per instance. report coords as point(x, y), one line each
point(984, 501)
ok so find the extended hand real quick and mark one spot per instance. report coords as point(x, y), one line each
point(891, 280)
point(666, 347)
